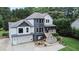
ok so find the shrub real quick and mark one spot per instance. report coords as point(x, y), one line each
point(60, 39)
point(63, 26)
point(1, 29)
point(75, 33)
point(55, 34)
point(5, 34)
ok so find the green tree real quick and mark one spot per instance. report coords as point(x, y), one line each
point(63, 26)
point(1, 23)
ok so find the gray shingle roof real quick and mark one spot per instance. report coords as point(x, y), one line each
point(49, 25)
point(34, 15)
point(37, 15)
point(15, 24)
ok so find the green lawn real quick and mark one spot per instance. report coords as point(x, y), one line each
point(2, 31)
point(71, 44)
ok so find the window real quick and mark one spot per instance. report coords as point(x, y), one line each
point(37, 30)
point(27, 29)
point(37, 20)
point(42, 20)
point(47, 20)
point(40, 29)
point(20, 30)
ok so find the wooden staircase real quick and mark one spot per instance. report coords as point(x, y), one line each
point(50, 38)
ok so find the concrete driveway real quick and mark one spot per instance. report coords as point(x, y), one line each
point(5, 46)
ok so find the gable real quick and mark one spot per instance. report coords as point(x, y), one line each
point(48, 17)
point(23, 24)
point(20, 23)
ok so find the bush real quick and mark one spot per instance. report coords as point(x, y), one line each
point(63, 26)
point(60, 39)
point(75, 33)
point(1, 29)
point(55, 34)
point(5, 34)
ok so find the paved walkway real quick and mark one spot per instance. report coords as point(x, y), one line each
point(5, 46)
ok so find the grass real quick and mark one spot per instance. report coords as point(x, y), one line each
point(71, 44)
point(1, 32)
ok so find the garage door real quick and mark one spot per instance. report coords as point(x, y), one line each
point(22, 39)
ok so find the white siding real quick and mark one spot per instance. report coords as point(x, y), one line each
point(22, 39)
point(12, 30)
point(32, 29)
point(50, 20)
point(31, 21)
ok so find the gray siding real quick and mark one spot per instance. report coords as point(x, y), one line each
point(38, 25)
point(23, 24)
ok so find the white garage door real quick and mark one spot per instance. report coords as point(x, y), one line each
point(22, 39)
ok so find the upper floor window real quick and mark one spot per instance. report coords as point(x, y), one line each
point(40, 20)
point(37, 30)
point(37, 20)
point(20, 30)
point(41, 29)
point(47, 20)
point(27, 29)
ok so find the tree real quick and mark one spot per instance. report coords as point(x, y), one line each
point(5, 13)
point(22, 12)
point(1, 21)
point(63, 26)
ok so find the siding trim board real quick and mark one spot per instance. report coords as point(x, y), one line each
point(15, 35)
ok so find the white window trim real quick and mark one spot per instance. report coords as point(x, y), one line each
point(47, 21)
point(24, 30)
point(28, 30)
point(18, 30)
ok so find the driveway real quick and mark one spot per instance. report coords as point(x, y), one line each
point(5, 46)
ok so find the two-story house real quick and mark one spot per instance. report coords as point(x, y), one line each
point(31, 28)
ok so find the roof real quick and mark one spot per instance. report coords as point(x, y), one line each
point(75, 24)
point(15, 24)
point(34, 15)
point(37, 15)
point(50, 25)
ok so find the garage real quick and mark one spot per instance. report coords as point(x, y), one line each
point(21, 39)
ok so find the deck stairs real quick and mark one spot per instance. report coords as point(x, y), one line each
point(50, 38)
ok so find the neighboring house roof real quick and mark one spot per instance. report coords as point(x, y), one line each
point(37, 15)
point(16, 24)
point(75, 24)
